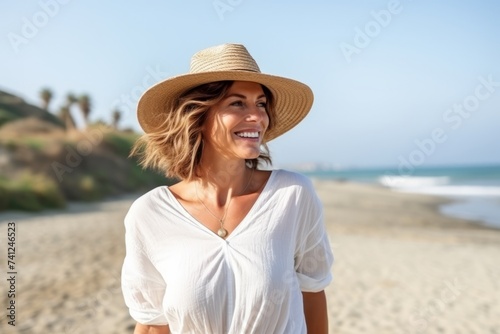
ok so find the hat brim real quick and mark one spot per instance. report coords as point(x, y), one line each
point(293, 99)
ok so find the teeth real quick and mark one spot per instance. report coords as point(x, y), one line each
point(248, 134)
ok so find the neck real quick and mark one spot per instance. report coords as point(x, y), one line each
point(220, 180)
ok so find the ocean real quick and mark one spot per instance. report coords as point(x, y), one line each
point(475, 189)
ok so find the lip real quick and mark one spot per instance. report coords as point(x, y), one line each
point(256, 139)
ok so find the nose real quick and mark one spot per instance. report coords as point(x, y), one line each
point(256, 114)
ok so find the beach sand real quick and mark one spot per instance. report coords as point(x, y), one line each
point(401, 267)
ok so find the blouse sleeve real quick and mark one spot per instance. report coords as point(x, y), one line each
point(313, 257)
point(142, 285)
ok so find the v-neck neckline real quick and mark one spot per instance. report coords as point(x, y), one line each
point(242, 222)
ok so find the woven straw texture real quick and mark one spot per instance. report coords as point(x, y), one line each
point(227, 62)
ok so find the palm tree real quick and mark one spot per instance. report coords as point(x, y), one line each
point(66, 117)
point(84, 104)
point(46, 95)
point(117, 116)
point(70, 99)
point(65, 112)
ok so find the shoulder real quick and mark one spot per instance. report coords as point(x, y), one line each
point(288, 178)
point(146, 206)
point(298, 190)
point(296, 185)
point(151, 198)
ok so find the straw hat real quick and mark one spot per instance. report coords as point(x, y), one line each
point(227, 62)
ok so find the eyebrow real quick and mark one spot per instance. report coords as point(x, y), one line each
point(243, 96)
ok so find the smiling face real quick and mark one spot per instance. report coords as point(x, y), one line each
point(236, 125)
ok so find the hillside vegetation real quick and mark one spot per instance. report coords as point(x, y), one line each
point(44, 165)
point(14, 108)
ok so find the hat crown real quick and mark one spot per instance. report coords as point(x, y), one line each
point(225, 57)
point(226, 62)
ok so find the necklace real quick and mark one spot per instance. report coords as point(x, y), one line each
point(222, 232)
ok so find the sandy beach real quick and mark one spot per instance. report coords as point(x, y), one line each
point(401, 267)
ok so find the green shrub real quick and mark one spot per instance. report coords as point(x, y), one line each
point(34, 143)
point(10, 145)
point(6, 116)
point(120, 143)
point(30, 192)
point(106, 171)
point(89, 189)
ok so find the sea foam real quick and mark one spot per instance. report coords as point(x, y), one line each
point(439, 185)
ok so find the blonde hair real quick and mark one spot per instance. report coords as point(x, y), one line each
point(175, 148)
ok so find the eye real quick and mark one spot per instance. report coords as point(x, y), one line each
point(236, 103)
point(262, 104)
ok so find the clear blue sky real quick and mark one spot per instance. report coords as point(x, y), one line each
point(381, 82)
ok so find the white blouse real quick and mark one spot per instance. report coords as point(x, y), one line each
point(178, 272)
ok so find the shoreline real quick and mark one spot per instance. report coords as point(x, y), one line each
point(475, 189)
point(483, 211)
point(431, 201)
point(486, 210)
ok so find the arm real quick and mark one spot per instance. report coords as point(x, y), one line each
point(315, 312)
point(143, 286)
point(147, 329)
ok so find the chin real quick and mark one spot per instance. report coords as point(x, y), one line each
point(250, 155)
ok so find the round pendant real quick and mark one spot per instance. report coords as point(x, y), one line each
point(221, 232)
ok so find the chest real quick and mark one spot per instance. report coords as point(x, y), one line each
point(228, 217)
point(213, 272)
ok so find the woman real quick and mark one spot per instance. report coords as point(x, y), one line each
point(230, 248)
